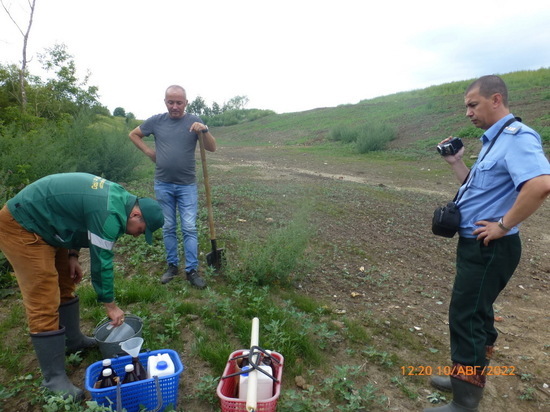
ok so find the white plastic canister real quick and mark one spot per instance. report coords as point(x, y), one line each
point(265, 383)
point(160, 365)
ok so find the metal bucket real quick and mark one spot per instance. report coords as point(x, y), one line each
point(112, 349)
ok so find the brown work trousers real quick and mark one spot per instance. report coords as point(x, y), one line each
point(42, 273)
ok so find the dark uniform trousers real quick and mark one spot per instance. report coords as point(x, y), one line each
point(482, 272)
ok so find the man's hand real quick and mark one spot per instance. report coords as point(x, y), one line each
point(457, 157)
point(488, 231)
point(75, 270)
point(198, 127)
point(114, 313)
point(455, 161)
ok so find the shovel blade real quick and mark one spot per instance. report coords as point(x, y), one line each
point(215, 258)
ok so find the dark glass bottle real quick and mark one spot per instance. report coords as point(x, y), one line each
point(130, 375)
point(140, 371)
point(106, 365)
point(107, 379)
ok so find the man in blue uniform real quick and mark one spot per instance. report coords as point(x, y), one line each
point(507, 184)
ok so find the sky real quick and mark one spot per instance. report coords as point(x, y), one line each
point(286, 56)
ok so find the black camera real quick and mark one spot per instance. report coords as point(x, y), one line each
point(451, 147)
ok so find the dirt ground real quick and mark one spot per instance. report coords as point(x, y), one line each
point(406, 278)
point(420, 273)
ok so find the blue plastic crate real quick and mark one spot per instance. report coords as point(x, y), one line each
point(140, 394)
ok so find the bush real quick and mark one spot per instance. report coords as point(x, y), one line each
point(77, 145)
point(233, 117)
point(344, 134)
point(375, 136)
point(275, 259)
point(102, 149)
point(28, 156)
point(367, 137)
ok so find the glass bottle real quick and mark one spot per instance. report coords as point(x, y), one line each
point(106, 365)
point(107, 379)
point(130, 375)
point(140, 371)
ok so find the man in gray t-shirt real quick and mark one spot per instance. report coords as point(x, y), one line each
point(176, 136)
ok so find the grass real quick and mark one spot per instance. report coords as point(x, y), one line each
point(283, 238)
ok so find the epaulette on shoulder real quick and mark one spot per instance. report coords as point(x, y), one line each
point(514, 128)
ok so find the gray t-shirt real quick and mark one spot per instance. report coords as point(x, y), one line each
point(175, 147)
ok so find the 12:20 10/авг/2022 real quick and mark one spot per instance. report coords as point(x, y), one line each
point(460, 370)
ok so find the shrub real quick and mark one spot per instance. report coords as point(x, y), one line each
point(367, 137)
point(273, 260)
point(374, 136)
point(77, 145)
point(344, 134)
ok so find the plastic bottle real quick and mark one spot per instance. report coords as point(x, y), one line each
point(130, 375)
point(160, 365)
point(140, 371)
point(106, 365)
point(107, 379)
point(265, 383)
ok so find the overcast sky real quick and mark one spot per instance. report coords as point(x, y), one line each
point(286, 56)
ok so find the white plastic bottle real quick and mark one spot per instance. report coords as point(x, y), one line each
point(265, 383)
point(160, 365)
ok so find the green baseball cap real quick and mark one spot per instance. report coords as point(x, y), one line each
point(153, 216)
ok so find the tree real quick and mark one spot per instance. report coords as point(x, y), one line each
point(216, 109)
point(119, 112)
point(23, 71)
point(64, 92)
point(197, 106)
point(236, 103)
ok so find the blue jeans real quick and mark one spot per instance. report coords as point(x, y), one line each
point(183, 198)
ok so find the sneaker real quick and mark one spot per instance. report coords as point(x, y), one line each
point(194, 278)
point(170, 274)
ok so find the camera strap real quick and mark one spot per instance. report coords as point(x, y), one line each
point(467, 180)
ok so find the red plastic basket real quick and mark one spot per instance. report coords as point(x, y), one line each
point(227, 388)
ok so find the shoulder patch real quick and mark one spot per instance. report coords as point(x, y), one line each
point(513, 129)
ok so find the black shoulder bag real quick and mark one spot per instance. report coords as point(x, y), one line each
point(446, 219)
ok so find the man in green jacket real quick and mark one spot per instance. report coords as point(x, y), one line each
point(42, 229)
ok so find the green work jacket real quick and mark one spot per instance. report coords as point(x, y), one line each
point(77, 210)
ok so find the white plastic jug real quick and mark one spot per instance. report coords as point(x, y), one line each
point(265, 383)
point(160, 365)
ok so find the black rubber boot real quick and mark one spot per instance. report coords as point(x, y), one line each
point(466, 398)
point(50, 351)
point(443, 382)
point(69, 317)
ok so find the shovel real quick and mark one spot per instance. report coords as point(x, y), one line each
point(214, 258)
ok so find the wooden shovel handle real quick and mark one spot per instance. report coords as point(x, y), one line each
point(207, 187)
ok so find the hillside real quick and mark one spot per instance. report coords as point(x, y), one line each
point(421, 116)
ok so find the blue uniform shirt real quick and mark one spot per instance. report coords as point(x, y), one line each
point(516, 157)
